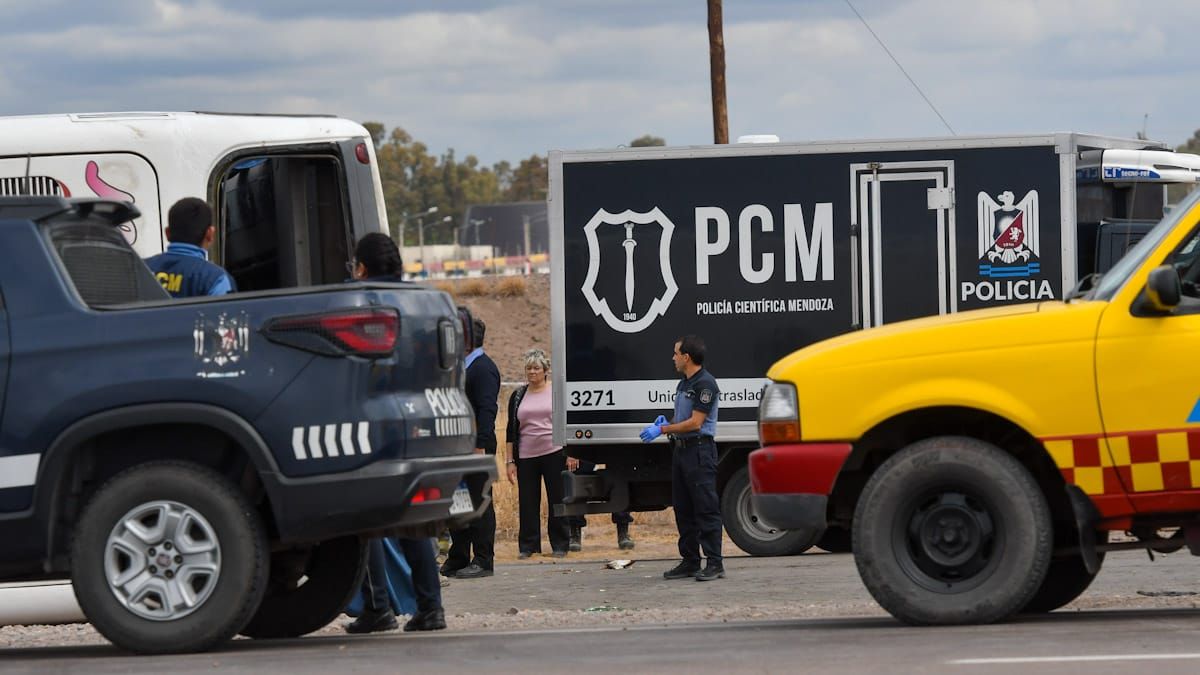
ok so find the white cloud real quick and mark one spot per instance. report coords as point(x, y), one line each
point(511, 79)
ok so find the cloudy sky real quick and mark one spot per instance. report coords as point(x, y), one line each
point(503, 80)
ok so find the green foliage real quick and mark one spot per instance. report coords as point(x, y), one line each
point(647, 141)
point(415, 180)
point(1178, 192)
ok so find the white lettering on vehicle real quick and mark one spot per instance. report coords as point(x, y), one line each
point(1001, 291)
point(713, 236)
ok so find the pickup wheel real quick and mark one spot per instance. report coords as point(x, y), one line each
point(168, 557)
point(952, 530)
point(309, 588)
point(751, 533)
point(1066, 580)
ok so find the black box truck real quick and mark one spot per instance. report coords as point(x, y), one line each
point(763, 248)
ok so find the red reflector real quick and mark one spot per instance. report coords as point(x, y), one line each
point(369, 332)
point(360, 153)
point(429, 494)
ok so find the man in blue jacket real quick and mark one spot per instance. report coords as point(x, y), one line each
point(183, 269)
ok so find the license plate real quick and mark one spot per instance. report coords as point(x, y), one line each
point(462, 501)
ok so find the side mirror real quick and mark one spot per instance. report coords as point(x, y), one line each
point(1163, 290)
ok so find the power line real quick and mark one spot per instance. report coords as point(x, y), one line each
point(902, 70)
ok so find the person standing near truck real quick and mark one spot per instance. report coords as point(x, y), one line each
point(483, 390)
point(184, 269)
point(377, 258)
point(693, 463)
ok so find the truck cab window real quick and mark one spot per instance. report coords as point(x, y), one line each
point(284, 221)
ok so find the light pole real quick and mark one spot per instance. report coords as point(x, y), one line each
point(404, 218)
point(421, 232)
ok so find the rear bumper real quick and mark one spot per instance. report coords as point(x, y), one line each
point(791, 483)
point(375, 498)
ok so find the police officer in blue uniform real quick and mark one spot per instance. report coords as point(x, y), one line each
point(693, 464)
point(183, 269)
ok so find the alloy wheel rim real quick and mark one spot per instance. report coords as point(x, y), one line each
point(162, 560)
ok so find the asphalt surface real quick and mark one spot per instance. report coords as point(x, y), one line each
point(1138, 615)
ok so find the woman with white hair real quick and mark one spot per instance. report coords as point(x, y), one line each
point(534, 459)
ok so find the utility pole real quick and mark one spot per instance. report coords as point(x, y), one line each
point(525, 222)
point(716, 59)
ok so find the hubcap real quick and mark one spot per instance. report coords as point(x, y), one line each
point(162, 560)
point(754, 525)
point(949, 539)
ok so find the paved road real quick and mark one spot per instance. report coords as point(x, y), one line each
point(1112, 641)
point(655, 631)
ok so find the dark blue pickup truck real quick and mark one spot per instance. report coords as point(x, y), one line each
point(200, 468)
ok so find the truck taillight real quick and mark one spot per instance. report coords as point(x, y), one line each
point(360, 153)
point(779, 415)
point(360, 332)
point(429, 494)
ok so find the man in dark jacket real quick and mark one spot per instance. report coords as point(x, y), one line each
point(183, 269)
point(483, 389)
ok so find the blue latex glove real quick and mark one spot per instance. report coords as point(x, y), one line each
point(650, 433)
point(660, 420)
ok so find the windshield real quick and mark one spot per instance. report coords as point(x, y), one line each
point(1112, 280)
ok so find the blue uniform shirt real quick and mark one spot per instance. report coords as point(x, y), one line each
point(698, 392)
point(184, 271)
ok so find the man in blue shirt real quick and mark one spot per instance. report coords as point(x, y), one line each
point(693, 463)
point(183, 269)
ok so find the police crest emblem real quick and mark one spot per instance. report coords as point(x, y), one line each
point(222, 342)
point(628, 321)
point(1008, 235)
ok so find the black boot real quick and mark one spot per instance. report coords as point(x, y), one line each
point(434, 619)
point(373, 622)
point(624, 541)
point(576, 543)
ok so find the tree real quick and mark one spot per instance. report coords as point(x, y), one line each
point(376, 130)
point(1177, 192)
point(530, 180)
point(647, 141)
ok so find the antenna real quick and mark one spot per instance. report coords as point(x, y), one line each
point(25, 181)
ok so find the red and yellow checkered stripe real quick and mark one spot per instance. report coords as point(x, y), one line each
point(1143, 461)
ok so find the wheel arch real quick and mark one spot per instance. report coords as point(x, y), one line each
point(99, 446)
point(891, 435)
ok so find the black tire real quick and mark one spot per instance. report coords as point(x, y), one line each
point(952, 530)
point(210, 534)
point(835, 540)
point(309, 589)
point(748, 531)
point(1066, 580)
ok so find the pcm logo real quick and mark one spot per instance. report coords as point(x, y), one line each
point(807, 254)
point(1009, 250)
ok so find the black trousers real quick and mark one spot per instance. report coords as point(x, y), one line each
point(697, 507)
point(618, 518)
point(531, 474)
point(421, 555)
point(479, 536)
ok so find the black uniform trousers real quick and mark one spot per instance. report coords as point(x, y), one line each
point(478, 536)
point(694, 497)
point(531, 473)
point(421, 555)
point(619, 518)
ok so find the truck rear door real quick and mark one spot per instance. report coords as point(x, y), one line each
point(290, 216)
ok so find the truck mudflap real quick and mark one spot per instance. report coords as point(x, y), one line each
point(388, 496)
point(791, 483)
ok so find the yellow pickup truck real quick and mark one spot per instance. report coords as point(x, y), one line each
point(981, 459)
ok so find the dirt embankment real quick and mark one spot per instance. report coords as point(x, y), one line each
point(518, 319)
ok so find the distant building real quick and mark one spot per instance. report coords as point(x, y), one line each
point(502, 226)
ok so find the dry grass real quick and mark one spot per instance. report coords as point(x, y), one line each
point(510, 287)
point(472, 288)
